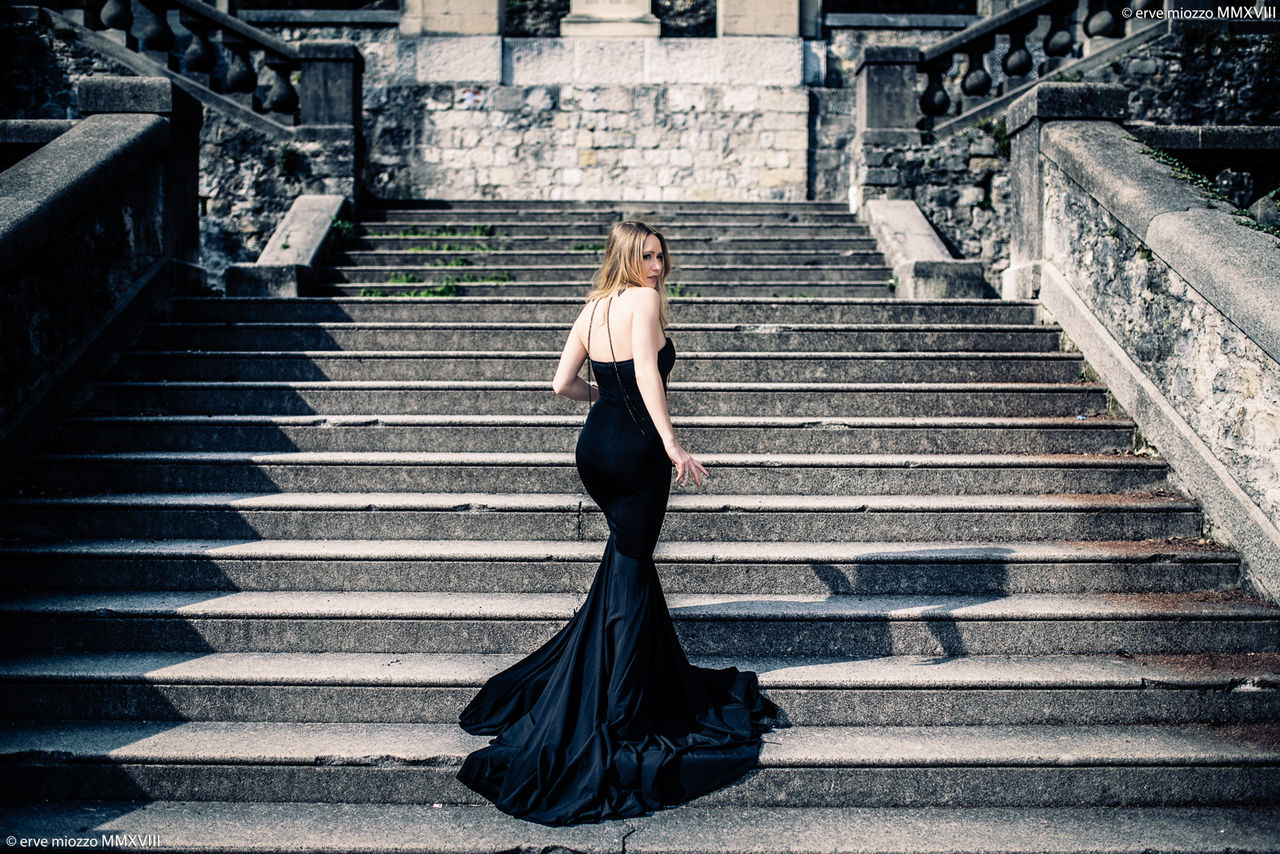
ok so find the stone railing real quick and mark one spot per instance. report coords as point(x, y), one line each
point(225, 62)
point(1171, 298)
point(1056, 20)
point(97, 226)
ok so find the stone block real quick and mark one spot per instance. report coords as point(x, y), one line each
point(263, 280)
point(791, 139)
point(124, 95)
point(603, 62)
point(1264, 210)
point(529, 62)
point(1050, 101)
point(763, 61)
point(683, 61)
point(782, 177)
point(741, 99)
point(469, 59)
point(686, 98)
point(506, 98)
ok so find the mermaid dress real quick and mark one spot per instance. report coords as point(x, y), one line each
point(608, 719)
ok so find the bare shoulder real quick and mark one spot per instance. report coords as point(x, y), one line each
point(644, 301)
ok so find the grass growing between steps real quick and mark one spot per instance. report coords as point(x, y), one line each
point(448, 286)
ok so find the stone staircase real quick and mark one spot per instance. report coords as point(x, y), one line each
point(249, 586)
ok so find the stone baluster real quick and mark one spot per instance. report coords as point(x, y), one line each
point(93, 15)
point(977, 80)
point(155, 37)
point(281, 97)
point(240, 78)
point(1018, 62)
point(1102, 20)
point(117, 16)
point(201, 55)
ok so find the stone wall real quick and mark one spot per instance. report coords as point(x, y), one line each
point(1194, 76)
point(962, 185)
point(1212, 369)
point(652, 143)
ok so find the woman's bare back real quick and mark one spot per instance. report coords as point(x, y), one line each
point(612, 320)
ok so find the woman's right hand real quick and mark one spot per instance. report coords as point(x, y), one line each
point(685, 464)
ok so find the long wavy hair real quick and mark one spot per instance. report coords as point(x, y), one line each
point(623, 265)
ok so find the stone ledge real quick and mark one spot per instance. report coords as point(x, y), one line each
point(920, 260)
point(284, 268)
point(1109, 165)
point(41, 193)
point(764, 60)
point(1050, 101)
point(880, 21)
point(33, 131)
point(322, 17)
point(1176, 222)
point(1212, 138)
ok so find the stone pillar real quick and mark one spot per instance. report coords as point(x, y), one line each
point(181, 202)
point(885, 116)
point(329, 87)
point(811, 19)
point(610, 19)
point(758, 18)
point(1046, 102)
point(452, 17)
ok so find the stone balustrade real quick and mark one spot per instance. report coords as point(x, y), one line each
point(97, 226)
point(1170, 297)
point(310, 83)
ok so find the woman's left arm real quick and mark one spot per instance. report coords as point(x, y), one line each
point(567, 382)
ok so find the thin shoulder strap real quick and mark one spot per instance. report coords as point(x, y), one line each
point(608, 327)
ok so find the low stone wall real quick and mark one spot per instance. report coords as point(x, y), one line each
point(1188, 293)
point(91, 226)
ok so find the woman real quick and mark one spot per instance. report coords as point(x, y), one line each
point(608, 718)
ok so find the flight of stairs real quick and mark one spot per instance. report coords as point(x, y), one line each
point(249, 586)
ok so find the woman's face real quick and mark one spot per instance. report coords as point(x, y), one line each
point(652, 259)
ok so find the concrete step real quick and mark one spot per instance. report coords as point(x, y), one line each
point(1098, 434)
point(409, 828)
point(434, 688)
point(543, 566)
point(690, 275)
point(562, 310)
point(690, 243)
point(378, 208)
point(1037, 766)
point(877, 288)
point(752, 518)
point(708, 337)
point(781, 626)
point(596, 229)
point(657, 218)
point(736, 261)
point(503, 397)
point(730, 474)
point(781, 366)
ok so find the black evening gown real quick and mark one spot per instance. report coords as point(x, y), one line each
point(608, 719)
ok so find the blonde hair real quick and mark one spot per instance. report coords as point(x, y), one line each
point(623, 265)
